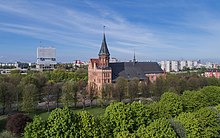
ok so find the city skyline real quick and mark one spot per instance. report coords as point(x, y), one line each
point(182, 29)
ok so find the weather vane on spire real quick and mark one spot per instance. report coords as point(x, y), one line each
point(104, 29)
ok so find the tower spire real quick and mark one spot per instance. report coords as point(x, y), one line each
point(104, 48)
point(103, 29)
point(104, 53)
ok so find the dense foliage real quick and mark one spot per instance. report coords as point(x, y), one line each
point(184, 108)
point(24, 92)
point(160, 128)
point(172, 116)
point(69, 88)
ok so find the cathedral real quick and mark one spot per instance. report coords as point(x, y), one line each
point(101, 72)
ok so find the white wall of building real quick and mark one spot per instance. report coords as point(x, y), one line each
point(167, 66)
point(46, 57)
point(174, 65)
point(189, 64)
point(182, 64)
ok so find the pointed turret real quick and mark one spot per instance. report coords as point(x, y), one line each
point(104, 48)
point(104, 53)
point(134, 59)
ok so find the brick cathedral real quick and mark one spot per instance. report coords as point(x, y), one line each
point(101, 72)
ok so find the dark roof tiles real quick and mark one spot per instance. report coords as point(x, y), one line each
point(129, 70)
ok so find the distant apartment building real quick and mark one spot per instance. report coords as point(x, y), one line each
point(165, 65)
point(168, 66)
point(182, 64)
point(213, 73)
point(195, 64)
point(189, 64)
point(46, 58)
point(7, 64)
point(162, 65)
point(211, 65)
point(175, 65)
point(20, 65)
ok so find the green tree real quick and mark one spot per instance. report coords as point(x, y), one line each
point(82, 87)
point(218, 108)
point(7, 96)
point(120, 88)
point(106, 93)
point(40, 81)
point(132, 88)
point(35, 129)
point(87, 125)
point(213, 81)
point(159, 86)
point(15, 80)
point(203, 82)
point(193, 83)
point(48, 93)
point(119, 118)
point(172, 82)
point(141, 114)
point(81, 74)
point(62, 123)
point(178, 128)
point(213, 94)
point(193, 100)
point(182, 86)
point(170, 105)
point(29, 98)
point(160, 128)
point(144, 89)
point(92, 90)
point(57, 87)
point(208, 122)
point(125, 134)
point(69, 93)
point(202, 123)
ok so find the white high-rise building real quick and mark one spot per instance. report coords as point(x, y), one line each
point(209, 65)
point(189, 64)
point(174, 65)
point(195, 64)
point(167, 66)
point(163, 65)
point(182, 64)
point(46, 58)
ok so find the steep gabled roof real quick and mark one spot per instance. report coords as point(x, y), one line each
point(104, 48)
point(129, 70)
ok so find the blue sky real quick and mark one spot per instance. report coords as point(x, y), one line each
point(156, 29)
